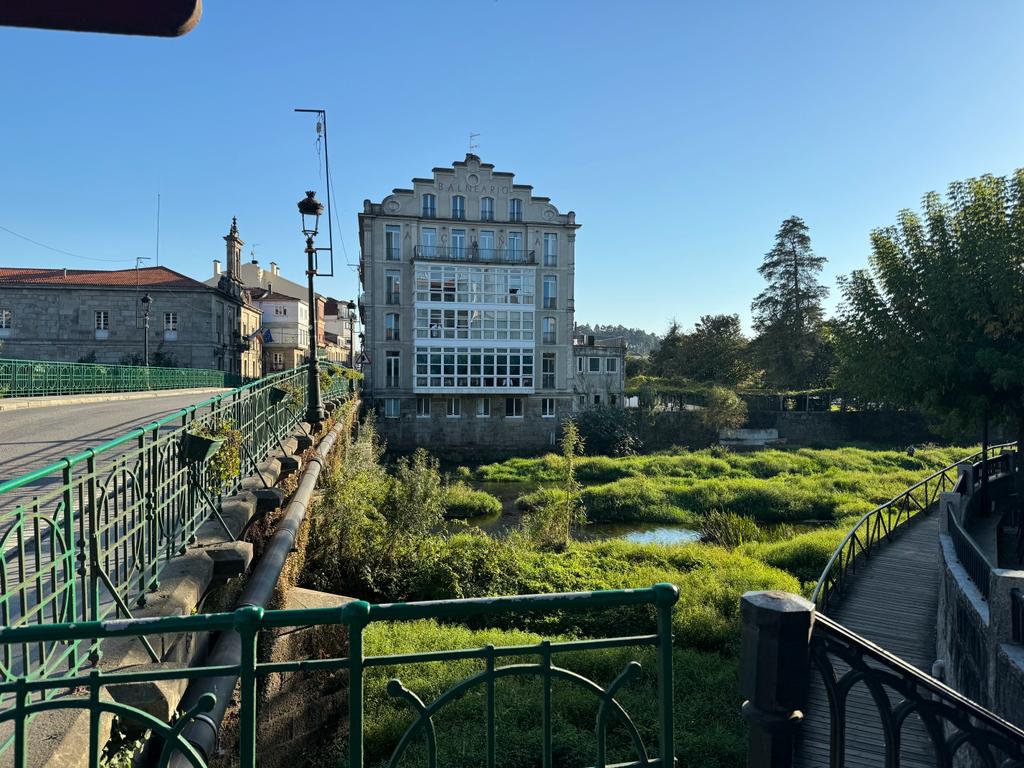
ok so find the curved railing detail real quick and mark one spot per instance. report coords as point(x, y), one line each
point(879, 526)
point(898, 690)
point(88, 691)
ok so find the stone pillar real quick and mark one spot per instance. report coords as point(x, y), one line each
point(774, 673)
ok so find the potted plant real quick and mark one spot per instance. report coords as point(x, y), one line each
point(197, 447)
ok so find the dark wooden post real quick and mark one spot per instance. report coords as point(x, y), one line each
point(774, 673)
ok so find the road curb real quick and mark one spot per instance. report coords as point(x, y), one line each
point(19, 403)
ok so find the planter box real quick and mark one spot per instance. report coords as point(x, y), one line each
point(196, 448)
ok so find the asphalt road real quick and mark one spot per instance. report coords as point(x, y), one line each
point(31, 438)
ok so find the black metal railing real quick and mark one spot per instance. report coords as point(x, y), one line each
point(515, 216)
point(974, 561)
point(487, 216)
point(784, 639)
point(475, 254)
point(459, 215)
point(392, 297)
point(880, 525)
point(429, 213)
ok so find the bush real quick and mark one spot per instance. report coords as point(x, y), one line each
point(723, 409)
point(607, 430)
point(461, 501)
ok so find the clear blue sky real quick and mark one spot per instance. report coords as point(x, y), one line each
point(681, 133)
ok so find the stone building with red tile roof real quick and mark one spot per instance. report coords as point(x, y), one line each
point(98, 316)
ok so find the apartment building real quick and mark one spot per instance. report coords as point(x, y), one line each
point(468, 311)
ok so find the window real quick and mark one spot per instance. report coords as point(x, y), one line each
point(548, 330)
point(466, 284)
point(613, 399)
point(486, 245)
point(611, 364)
point(422, 407)
point(280, 311)
point(515, 247)
point(511, 325)
point(547, 408)
point(486, 209)
point(579, 365)
point(429, 206)
point(582, 400)
point(277, 361)
point(597, 399)
point(474, 367)
point(515, 209)
point(483, 407)
point(458, 207)
point(594, 364)
point(392, 287)
point(392, 369)
point(547, 370)
point(170, 326)
point(102, 320)
point(393, 242)
point(513, 407)
point(6, 318)
point(550, 291)
point(458, 243)
point(392, 408)
point(428, 242)
point(454, 407)
point(392, 326)
point(550, 249)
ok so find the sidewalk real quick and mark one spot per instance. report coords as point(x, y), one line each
point(17, 403)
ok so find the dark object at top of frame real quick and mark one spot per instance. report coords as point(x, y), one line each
point(152, 18)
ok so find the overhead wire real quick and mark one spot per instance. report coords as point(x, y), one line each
point(60, 250)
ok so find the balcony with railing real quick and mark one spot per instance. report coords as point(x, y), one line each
point(474, 253)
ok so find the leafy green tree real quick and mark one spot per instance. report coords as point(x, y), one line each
point(937, 319)
point(607, 431)
point(788, 313)
point(717, 351)
point(724, 410)
point(666, 360)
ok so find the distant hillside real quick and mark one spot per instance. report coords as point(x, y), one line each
point(638, 341)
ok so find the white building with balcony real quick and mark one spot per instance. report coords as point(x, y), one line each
point(467, 309)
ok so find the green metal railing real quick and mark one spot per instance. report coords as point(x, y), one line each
point(86, 538)
point(33, 696)
point(39, 378)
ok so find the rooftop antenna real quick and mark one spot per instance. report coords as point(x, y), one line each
point(252, 252)
point(158, 229)
point(474, 145)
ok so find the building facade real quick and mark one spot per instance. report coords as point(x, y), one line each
point(285, 330)
point(600, 371)
point(98, 316)
point(467, 309)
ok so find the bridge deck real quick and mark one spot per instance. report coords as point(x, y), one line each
point(892, 602)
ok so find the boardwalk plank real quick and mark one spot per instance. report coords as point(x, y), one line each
point(892, 602)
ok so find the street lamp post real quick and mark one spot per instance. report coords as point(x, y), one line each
point(146, 301)
point(311, 208)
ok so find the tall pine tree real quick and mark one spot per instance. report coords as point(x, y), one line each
point(788, 313)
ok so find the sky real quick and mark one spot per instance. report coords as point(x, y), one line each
point(681, 133)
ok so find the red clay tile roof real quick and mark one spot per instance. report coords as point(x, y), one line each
point(146, 277)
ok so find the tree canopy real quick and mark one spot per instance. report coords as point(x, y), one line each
point(788, 313)
point(937, 320)
point(715, 351)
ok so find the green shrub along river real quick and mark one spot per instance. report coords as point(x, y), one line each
point(378, 534)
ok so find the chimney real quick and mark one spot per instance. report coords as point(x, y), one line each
point(216, 267)
point(234, 251)
point(274, 269)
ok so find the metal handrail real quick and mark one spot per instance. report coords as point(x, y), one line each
point(88, 536)
point(474, 253)
point(878, 524)
point(37, 378)
point(538, 661)
point(974, 561)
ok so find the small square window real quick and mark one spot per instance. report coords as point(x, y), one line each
point(547, 407)
point(597, 399)
point(513, 407)
point(611, 364)
point(454, 407)
point(483, 407)
point(5, 319)
point(423, 407)
point(613, 400)
point(594, 364)
point(102, 317)
point(392, 408)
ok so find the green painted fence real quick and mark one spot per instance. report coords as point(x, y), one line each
point(86, 538)
point(32, 694)
point(40, 378)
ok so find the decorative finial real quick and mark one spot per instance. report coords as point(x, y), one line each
point(234, 225)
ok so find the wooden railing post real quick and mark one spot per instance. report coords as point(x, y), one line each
point(774, 673)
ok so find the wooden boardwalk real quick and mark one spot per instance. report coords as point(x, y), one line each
point(892, 601)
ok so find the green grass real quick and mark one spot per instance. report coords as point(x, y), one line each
point(461, 501)
point(769, 485)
